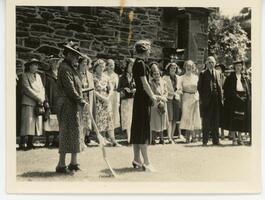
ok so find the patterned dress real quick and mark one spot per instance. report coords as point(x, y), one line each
point(103, 111)
point(115, 98)
point(159, 121)
point(190, 119)
point(70, 106)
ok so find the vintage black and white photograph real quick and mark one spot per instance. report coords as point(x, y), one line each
point(133, 94)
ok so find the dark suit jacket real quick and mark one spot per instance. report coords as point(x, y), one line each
point(205, 87)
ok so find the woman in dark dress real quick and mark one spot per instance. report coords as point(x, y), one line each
point(144, 97)
point(237, 94)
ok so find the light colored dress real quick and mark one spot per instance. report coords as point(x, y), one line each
point(159, 121)
point(173, 99)
point(115, 98)
point(190, 119)
point(103, 110)
point(33, 91)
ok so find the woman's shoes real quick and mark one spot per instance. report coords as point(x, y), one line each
point(149, 168)
point(116, 144)
point(171, 141)
point(73, 167)
point(137, 165)
point(62, 170)
point(161, 141)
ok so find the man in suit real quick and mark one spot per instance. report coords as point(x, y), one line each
point(211, 97)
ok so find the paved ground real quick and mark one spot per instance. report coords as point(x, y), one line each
point(176, 162)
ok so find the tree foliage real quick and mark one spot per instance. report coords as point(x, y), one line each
point(227, 40)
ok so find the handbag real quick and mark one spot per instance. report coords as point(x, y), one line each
point(39, 110)
point(51, 124)
point(161, 108)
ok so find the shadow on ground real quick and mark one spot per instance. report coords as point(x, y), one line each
point(217, 146)
point(39, 174)
point(123, 170)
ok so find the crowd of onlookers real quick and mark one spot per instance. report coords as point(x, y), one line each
point(185, 95)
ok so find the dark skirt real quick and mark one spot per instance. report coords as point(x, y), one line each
point(240, 119)
point(140, 130)
point(174, 110)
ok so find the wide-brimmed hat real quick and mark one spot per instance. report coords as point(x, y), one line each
point(31, 61)
point(73, 47)
point(238, 62)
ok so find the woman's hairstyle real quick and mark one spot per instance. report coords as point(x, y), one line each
point(155, 70)
point(169, 65)
point(153, 63)
point(110, 61)
point(98, 62)
point(188, 62)
point(142, 46)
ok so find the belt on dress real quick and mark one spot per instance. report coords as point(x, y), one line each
point(189, 92)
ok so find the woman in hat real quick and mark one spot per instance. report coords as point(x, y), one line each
point(115, 97)
point(70, 107)
point(187, 88)
point(33, 96)
point(144, 98)
point(237, 95)
point(173, 99)
point(102, 102)
point(127, 90)
point(159, 116)
point(51, 90)
point(87, 89)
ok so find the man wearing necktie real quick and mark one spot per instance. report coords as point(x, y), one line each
point(211, 97)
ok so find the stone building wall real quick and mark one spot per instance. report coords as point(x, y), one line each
point(102, 32)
